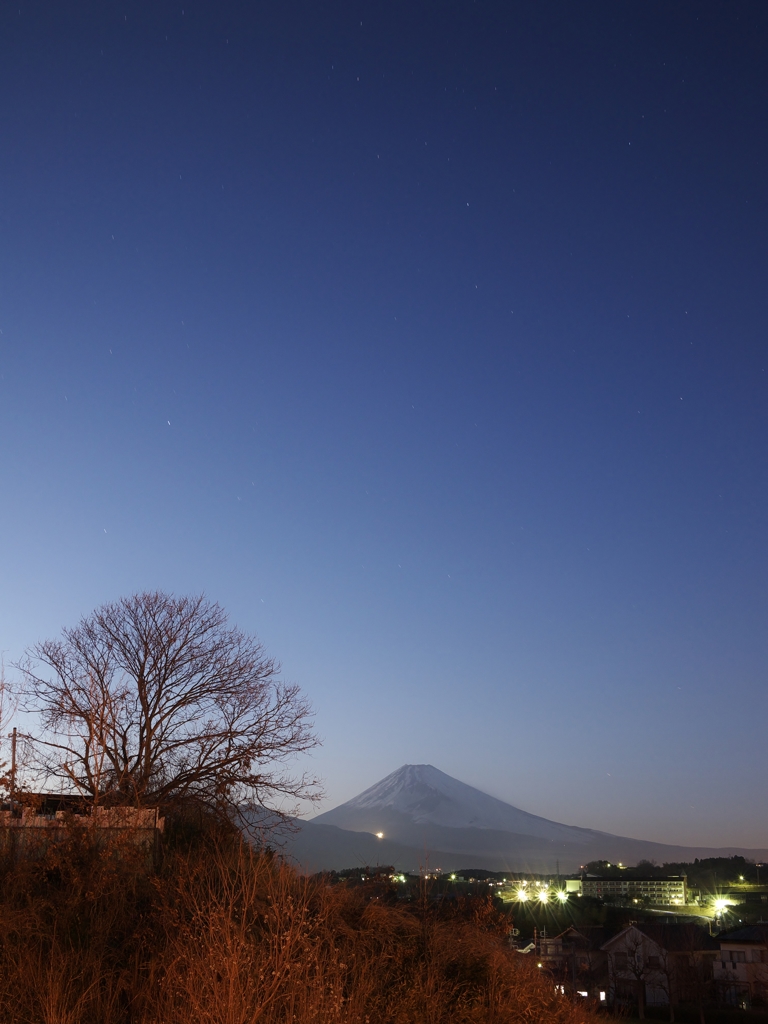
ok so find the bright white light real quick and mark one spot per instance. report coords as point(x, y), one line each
point(379, 835)
point(562, 896)
point(543, 896)
point(522, 895)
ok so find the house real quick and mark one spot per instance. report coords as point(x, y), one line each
point(576, 961)
point(658, 964)
point(741, 970)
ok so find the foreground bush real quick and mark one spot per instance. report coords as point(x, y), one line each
point(226, 935)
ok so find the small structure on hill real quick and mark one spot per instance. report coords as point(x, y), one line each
point(28, 829)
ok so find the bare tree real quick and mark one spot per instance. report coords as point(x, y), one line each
point(629, 964)
point(668, 977)
point(698, 974)
point(6, 711)
point(684, 970)
point(156, 700)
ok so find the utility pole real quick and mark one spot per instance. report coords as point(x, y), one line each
point(13, 765)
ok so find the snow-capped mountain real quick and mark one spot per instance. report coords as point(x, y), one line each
point(420, 815)
point(420, 794)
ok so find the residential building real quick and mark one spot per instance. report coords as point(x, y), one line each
point(659, 964)
point(576, 961)
point(741, 970)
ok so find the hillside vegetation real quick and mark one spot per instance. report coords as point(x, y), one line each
point(220, 932)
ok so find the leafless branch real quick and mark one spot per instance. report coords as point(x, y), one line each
point(157, 700)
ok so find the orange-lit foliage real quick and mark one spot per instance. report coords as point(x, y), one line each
point(225, 935)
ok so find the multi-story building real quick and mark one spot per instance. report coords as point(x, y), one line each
point(741, 970)
point(668, 890)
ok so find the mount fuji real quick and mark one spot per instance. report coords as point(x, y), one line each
point(419, 814)
point(417, 795)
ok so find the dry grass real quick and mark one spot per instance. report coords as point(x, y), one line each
point(225, 935)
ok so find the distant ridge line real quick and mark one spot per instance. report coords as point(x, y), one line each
point(418, 809)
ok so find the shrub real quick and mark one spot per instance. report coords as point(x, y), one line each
point(225, 934)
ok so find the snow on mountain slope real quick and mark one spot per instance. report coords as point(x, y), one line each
point(423, 795)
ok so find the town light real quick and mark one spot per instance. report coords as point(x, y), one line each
point(522, 895)
point(544, 896)
point(562, 896)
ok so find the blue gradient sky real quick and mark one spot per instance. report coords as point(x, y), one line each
point(430, 340)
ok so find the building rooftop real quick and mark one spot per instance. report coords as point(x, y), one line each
point(749, 933)
point(676, 938)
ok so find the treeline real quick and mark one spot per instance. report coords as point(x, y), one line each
point(218, 931)
point(706, 873)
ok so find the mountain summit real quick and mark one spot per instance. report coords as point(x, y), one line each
point(419, 814)
point(420, 794)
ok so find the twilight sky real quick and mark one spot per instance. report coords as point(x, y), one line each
point(428, 339)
